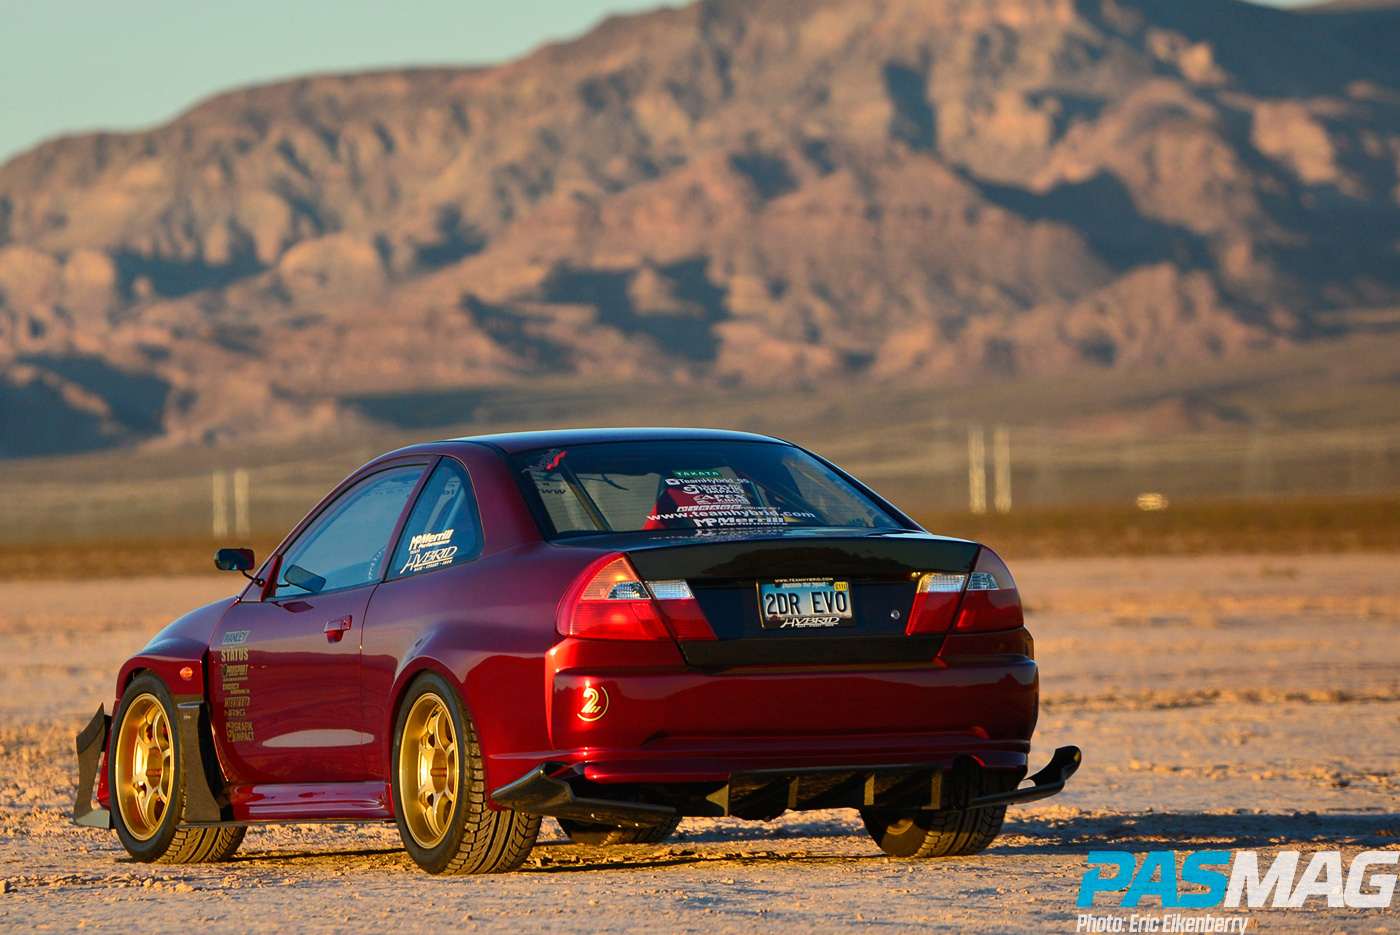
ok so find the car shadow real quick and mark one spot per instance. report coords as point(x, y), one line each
point(1053, 834)
point(1030, 835)
point(278, 856)
point(1050, 835)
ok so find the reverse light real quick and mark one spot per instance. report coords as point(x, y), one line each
point(681, 610)
point(935, 599)
point(609, 601)
point(982, 581)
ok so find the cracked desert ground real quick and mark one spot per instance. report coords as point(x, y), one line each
point(1222, 703)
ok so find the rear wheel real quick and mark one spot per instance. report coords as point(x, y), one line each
point(439, 787)
point(950, 833)
point(146, 776)
point(585, 832)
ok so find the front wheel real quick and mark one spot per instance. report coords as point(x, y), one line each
point(585, 832)
point(146, 776)
point(439, 786)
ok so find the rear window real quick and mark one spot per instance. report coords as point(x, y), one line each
point(690, 485)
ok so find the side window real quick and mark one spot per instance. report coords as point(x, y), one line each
point(443, 528)
point(345, 547)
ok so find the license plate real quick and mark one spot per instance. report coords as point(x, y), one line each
point(806, 602)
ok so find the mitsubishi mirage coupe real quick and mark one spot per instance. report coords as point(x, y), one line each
point(617, 628)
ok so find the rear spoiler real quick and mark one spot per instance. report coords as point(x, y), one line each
point(863, 556)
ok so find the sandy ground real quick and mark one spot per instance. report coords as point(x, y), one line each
point(1236, 703)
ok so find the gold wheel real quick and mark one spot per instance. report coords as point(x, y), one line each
point(145, 767)
point(428, 770)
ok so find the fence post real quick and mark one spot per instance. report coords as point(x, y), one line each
point(240, 501)
point(1001, 467)
point(977, 469)
point(220, 504)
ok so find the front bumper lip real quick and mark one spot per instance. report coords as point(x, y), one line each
point(558, 790)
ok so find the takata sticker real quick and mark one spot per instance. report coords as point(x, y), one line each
point(234, 637)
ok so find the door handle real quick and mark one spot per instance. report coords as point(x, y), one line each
point(335, 629)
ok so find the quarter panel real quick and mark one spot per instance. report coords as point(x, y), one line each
point(506, 522)
point(486, 625)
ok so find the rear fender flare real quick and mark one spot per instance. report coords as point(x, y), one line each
point(411, 669)
point(486, 681)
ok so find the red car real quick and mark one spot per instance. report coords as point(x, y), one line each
point(616, 628)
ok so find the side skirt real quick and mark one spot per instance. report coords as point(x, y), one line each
point(308, 802)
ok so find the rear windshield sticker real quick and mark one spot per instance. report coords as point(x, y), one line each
point(708, 499)
point(547, 461)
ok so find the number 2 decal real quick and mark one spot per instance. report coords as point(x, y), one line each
point(595, 704)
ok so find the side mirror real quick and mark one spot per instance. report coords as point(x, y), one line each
point(234, 560)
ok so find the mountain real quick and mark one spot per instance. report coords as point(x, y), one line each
point(767, 193)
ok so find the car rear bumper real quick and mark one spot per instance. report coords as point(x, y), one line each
point(715, 759)
point(626, 723)
point(659, 713)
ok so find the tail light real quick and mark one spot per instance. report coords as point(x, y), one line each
point(992, 601)
point(988, 596)
point(609, 601)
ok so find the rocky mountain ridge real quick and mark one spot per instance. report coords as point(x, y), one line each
point(767, 192)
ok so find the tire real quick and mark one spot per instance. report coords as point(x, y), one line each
point(148, 800)
point(950, 833)
point(584, 832)
point(446, 824)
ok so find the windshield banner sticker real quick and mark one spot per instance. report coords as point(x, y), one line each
point(708, 499)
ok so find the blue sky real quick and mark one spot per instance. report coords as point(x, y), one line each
point(67, 66)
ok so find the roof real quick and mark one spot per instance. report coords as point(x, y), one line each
point(516, 442)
